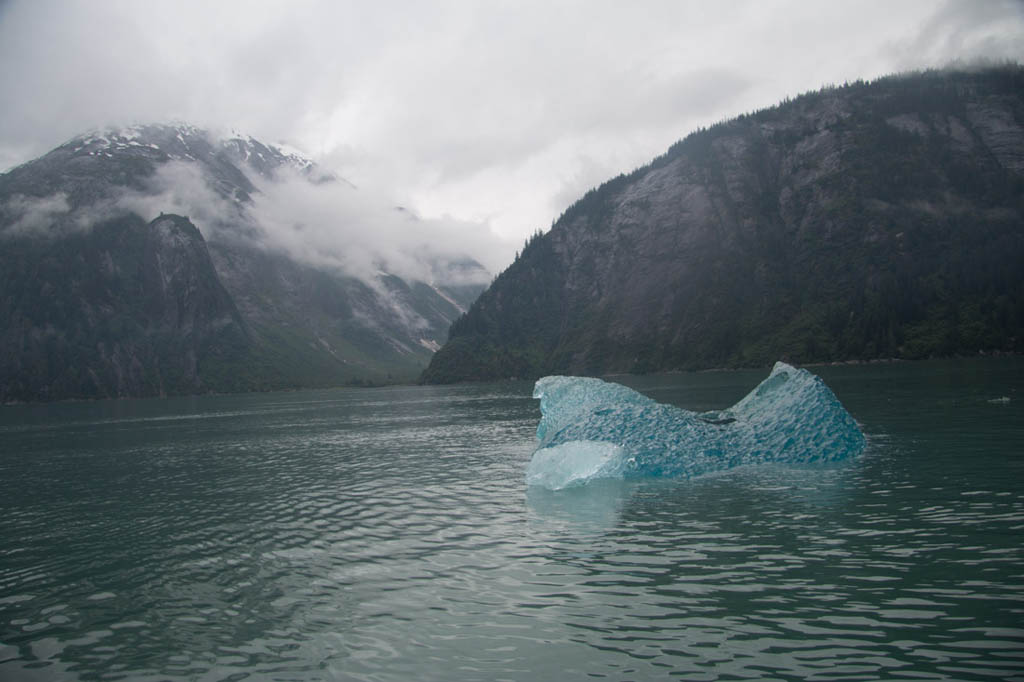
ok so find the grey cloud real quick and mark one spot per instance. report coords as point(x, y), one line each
point(42, 216)
point(492, 113)
point(179, 187)
point(336, 225)
point(966, 31)
point(330, 225)
point(176, 187)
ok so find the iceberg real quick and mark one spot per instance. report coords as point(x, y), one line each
point(592, 429)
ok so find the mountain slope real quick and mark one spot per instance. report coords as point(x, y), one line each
point(141, 261)
point(128, 309)
point(872, 220)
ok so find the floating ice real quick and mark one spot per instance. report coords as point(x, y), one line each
point(590, 429)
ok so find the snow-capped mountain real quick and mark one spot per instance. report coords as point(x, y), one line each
point(159, 259)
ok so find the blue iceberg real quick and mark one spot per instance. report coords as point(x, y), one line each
point(591, 429)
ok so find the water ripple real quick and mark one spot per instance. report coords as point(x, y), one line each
point(387, 535)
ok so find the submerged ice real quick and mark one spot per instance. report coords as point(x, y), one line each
point(591, 429)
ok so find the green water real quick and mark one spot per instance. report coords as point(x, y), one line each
point(386, 534)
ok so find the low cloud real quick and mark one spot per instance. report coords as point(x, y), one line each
point(338, 226)
point(35, 216)
point(183, 188)
point(330, 225)
point(500, 114)
point(964, 32)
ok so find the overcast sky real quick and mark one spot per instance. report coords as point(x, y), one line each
point(490, 112)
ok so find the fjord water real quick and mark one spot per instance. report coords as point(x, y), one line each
point(387, 534)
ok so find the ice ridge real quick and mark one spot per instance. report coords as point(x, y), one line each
point(591, 429)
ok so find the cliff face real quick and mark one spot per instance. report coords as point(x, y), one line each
point(872, 220)
point(128, 309)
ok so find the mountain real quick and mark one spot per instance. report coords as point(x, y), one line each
point(872, 220)
point(162, 259)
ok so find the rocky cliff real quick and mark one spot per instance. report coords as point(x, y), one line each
point(128, 309)
point(872, 220)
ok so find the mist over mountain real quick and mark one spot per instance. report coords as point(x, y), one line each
point(871, 220)
point(158, 259)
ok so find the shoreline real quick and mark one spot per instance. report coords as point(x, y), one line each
point(669, 372)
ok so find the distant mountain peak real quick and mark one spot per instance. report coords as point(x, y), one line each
point(166, 258)
point(186, 142)
point(123, 138)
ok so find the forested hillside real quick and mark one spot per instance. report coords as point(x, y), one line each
point(871, 220)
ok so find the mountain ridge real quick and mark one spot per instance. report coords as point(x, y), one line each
point(864, 221)
point(107, 234)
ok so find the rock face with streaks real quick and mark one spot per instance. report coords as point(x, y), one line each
point(127, 308)
point(866, 221)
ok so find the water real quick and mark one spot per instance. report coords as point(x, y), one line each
point(386, 534)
